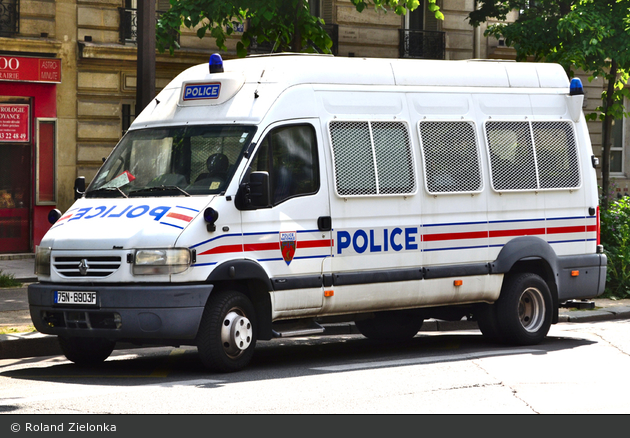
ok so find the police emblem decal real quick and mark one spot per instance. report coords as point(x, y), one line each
point(288, 245)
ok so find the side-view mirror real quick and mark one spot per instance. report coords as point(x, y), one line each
point(79, 187)
point(254, 193)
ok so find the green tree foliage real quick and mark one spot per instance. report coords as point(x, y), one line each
point(615, 236)
point(591, 35)
point(287, 24)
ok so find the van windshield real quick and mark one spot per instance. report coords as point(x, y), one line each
point(173, 161)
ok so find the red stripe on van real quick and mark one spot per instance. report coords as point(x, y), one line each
point(315, 243)
point(223, 249)
point(454, 236)
point(181, 217)
point(559, 230)
point(518, 232)
point(266, 246)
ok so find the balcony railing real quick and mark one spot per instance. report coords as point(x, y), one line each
point(129, 25)
point(9, 17)
point(422, 44)
point(267, 47)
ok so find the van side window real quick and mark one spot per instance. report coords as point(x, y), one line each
point(556, 155)
point(289, 154)
point(451, 157)
point(372, 158)
point(533, 155)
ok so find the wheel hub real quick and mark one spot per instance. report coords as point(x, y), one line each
point(531, 309)
point(236, 333)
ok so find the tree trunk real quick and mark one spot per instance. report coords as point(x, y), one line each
point(606, 134)
point(296, 40)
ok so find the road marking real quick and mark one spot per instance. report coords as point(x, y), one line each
point(425, 360)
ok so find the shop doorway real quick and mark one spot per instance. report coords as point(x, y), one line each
point(16, 146)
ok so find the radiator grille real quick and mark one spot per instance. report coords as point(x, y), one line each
point(86, 267)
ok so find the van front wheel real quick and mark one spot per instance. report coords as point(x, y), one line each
point(227, 333)
point(86, 351)
point(524, 309)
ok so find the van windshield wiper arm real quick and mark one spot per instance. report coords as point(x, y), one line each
point(106, 192)
point(163, 190)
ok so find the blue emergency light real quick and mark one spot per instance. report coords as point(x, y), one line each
point(575, 88)
point(216, 63)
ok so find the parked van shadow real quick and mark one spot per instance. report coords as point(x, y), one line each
point(294, 357)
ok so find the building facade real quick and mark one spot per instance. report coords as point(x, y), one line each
point(68, 87)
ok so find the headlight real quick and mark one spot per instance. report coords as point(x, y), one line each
point(161, 261)
point(42, 261)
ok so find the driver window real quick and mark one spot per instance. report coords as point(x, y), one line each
point(289, 154)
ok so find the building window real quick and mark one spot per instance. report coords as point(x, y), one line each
point(9, 17)
point(128, 116)
point(421, 38)
point(129, 19)
point(616, 147)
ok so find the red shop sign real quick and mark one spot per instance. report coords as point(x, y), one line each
point(17, 68)
point(14, 123)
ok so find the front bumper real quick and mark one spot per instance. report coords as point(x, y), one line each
point(122, 312)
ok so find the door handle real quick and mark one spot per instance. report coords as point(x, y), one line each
point(324, 223)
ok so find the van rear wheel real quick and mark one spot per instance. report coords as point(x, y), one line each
point(486, 315)
point(390, 326)
point(227, 333)
point(86, 351)
point(524, 309)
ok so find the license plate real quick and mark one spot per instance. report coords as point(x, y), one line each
point(75, 297)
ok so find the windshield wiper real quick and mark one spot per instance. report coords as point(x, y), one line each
point(106, 192)
point(163, 190)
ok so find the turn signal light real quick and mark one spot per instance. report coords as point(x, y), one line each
point(575, 273)
point(329, 293)
point(458, 282)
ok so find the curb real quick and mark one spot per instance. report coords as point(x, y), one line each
point(607, 314)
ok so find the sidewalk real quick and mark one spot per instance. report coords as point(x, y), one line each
point(14, 314)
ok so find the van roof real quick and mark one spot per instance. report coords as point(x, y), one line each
point(250, 86)
point(293, 69)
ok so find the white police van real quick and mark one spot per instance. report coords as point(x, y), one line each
point(271, 195)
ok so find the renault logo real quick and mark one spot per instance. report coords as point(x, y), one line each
point(83, 267)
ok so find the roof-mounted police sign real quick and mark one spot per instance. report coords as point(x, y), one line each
point(202, 91)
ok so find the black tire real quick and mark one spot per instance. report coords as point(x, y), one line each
point(390, 326)
point(524, 309)
point(86, 351)
point(227, 333)
point(486, 315)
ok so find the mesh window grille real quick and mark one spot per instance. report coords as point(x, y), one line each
point(556, 155)
point(532, 155)
point(451, 157)
point(372, 158)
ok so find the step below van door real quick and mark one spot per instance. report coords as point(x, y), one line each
point(291, 237)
